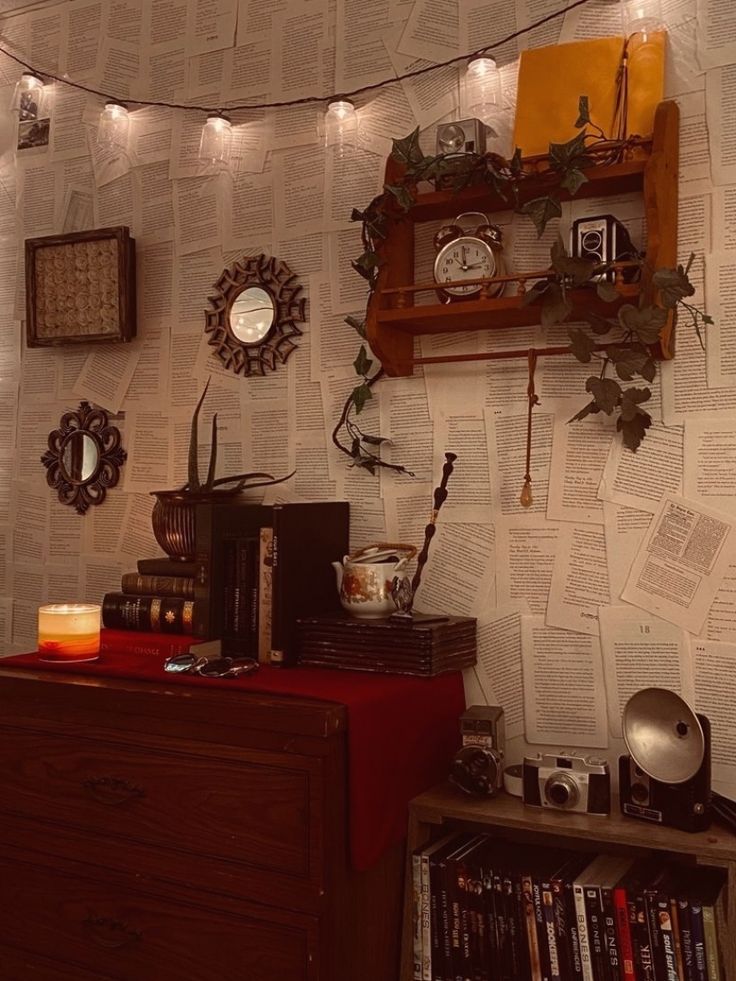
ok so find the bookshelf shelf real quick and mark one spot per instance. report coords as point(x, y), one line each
point(444, 809)
point(393, 320)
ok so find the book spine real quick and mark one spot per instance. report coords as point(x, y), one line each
point(711, 944)
point(611, 941)
point(548, 912)
point(128, 642)
point(626, 948)
point(501, 926)
point(203, 599)
point(251, 579)
point(230, 622)
point(596, 936)
point(664, 921)
point(278, 614)
point(530, 923)
point(159, 614)
point(166, 567)
point(573, 945)
point(265, 594)
point(520, 964)
point(445, 926)
point(684, 920)
point(425, 914)
point(492, 952)
point(655, 935)
point(641, 937)
point(699, 958)
point(675, 914)
point(416, 881)
point(436, 927)
point(582, 921)
point(137, 585)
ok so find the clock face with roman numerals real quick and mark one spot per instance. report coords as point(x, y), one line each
point(464, 258)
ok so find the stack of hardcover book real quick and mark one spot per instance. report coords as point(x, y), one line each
point(487, 910)
point(154, 610)
point(256, 569)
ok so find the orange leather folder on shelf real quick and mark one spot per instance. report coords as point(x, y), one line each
point(552, 79)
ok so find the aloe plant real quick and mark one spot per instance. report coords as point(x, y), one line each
point(240, 481)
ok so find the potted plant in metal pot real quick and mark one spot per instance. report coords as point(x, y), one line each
point(173, 515)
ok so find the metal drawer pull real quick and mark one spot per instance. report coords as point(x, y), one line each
point(110, 933)
point(112, 790)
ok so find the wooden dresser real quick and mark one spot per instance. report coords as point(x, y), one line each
point(180, 834)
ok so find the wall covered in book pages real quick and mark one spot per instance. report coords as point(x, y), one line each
point(559, 648)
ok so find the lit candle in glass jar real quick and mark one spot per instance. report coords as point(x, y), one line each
point(69, 631)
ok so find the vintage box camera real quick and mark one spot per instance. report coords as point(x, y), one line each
point(478, 766)
point(677, 805)
point(604, 239)
point(459, 142)
point(567, 782)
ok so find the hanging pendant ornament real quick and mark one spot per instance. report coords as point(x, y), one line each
point(526, 499)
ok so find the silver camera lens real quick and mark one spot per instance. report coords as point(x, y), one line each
point(452, 139)
point(560, 790)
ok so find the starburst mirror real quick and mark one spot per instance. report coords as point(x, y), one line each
point(253, 315)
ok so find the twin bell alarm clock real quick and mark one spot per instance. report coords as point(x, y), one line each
point(464, 254)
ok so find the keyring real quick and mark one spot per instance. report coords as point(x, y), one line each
point(181, 663)
point(226, 667)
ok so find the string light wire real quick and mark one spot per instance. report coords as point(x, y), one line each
point(306, 100)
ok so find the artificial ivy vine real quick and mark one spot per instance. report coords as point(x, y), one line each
point(627, 355)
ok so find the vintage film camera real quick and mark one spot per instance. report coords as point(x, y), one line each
point(459, 142)
point(604, 239)
point(567, 782)
point(478, 766)
point(666, 777)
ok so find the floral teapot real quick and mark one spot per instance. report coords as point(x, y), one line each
point(365, 578)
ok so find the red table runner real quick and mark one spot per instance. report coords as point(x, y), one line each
point(402, 731)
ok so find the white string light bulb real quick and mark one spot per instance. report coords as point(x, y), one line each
point(341, 127)
point(482, 86)
point(642, 17)
point(216, 143)
point(27, 95)
point(112, 129)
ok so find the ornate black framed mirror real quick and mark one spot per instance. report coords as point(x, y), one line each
point(84, 457)
point(254, 315)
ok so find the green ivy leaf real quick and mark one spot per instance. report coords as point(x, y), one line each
point(536, 292)
point(555, 307)
point(367, 463)
point(360, 395)
point(573, 180)
point(631, 400)
point(515, 164)
point(575, 269)
point(587, 410)
point(402, 195)
point(355, 447)
point(583, 112)
point(564, 155)
point(356, 215)
point(541, 210)
point(601, 325)
point(362, 363)
point(673, 286)
point(646, 322)
point(581, 345)
point(605, 391)
point(628, 361)
point(408, 151)
point(366, 263)
point(607, 291)
point(634, 430)
point(358, 325)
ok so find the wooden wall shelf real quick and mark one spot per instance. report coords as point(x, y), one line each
point(393, 320)
point(445, 809)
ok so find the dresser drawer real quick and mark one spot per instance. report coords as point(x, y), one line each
point(250, 806)
point(113, 933)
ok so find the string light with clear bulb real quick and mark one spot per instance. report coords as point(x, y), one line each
point(216, 143)
point(483, 100)
point(642, 17)
point(341, 127)
point(27, 95)
point(112, 129)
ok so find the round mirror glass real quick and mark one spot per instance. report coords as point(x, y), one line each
point(79, 457)
point(251, 315)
